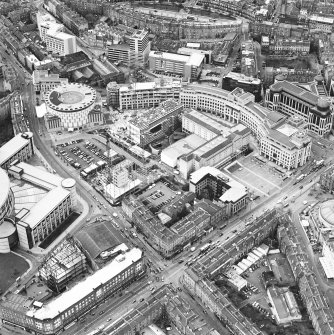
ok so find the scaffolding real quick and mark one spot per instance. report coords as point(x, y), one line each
point(63, 264)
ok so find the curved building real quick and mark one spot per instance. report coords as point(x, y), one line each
point(72, 103)
point(326, 213)
point(6, 196)
point(8, 236)
point(279, 139)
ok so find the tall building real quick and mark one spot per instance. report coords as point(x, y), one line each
point(139, 47)
point(134, 51)
point(182, 66)
point(327, 179)
point(291, 100)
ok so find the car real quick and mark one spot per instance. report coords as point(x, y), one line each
point(101, 312)
point(221, 234)
point(227, 237)
point(109, 319)
point(234, 231)
point(141, 300)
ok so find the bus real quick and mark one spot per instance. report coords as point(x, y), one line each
point(300, 178)
point(204, 248)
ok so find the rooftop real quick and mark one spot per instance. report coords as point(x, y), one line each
point(13, 146)
point(85, 287)
point(5, 187)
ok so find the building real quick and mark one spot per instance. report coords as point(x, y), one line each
point(44, 81)
point(21, 148)
point(8, 231)
point(290, 99)
point(50, 317)
point(287, 149)
point(249, 84)
point(134, 51)
point(231, 194)
point(155, 123)
point(284, 305)
point(321, 23)
point(327, 179)
point(37, 217)
point(182, 66)
point(71, 19)
point(320, 314)
point(52, 33)
point(170, 241)
point(62, 265)
point(73, 105)
point(289, 47)
point(142, 95)
point(189, 51)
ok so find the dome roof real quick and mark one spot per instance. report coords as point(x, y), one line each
point(319, 78)
point(327, 212)
point(322, 103)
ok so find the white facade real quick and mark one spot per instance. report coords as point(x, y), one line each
point(72, 103)
point(239, 107)
point(44, 82)
point(52, 33)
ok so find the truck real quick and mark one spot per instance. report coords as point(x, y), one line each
point(300, 178)
point(192, 249)
point(204, 248)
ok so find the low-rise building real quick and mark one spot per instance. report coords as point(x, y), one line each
point(52, 316)
point(38, 218)
point(21, 148)
point(228, 192)
point(62, 265)
point(284, 305)
point(289, 46)
point(155, 123)
point(182, 66)
point(44, 81)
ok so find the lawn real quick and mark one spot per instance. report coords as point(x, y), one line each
point(12, 266)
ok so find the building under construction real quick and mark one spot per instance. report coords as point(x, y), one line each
point(63, 264)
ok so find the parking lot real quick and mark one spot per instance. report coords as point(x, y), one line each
point(261, 178)
point(81, 154)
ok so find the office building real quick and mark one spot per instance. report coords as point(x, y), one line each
point(291, 100)
point(288, 149)
point(36, 217)
point(228, 192)
point(62, 265)
point(142, 95)
point(21, 148)
point(44, 81)
point(181, 66)
point(155, 123)
point(52, 316)
point(134, 51)
point(52, 33)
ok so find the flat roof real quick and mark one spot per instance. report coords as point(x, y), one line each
point(233, 194)
point(71, 97)
point(116, 192)
point(38, 212)
point(151, 85)
point(169, 56)
point(5, 187)
point(85, 287)
point(13, 146)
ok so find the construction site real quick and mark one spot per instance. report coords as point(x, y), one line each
point(62, 265)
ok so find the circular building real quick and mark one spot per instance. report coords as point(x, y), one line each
point(326, 213)
point(71, 103)
point(70, 185)
point(6, 196)
point(8, 236)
